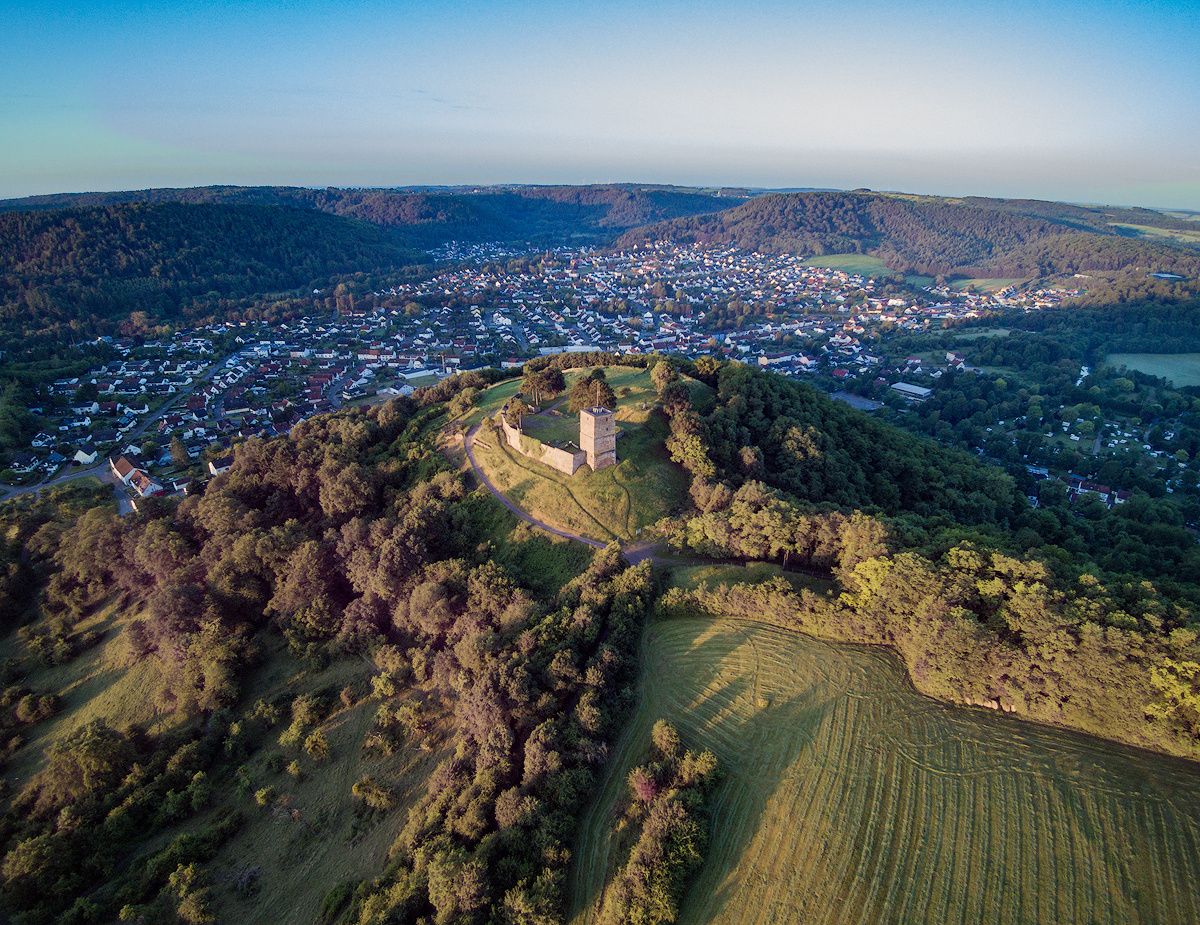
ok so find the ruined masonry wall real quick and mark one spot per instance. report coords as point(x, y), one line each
point(563, 460)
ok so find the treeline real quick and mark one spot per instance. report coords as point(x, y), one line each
point(1115, 659)
point(997, 605)
point(827, 458)
point(541, 214)
point(926, 235)
point(792, 437)
point(1136, 326)
point(664, 829)
point(536, 699)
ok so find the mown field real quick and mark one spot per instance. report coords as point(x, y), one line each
point(985, 284)
point(863, 264)
point(1175, 235)
point(1180, 369)
point(850, 798)
point(986, 332)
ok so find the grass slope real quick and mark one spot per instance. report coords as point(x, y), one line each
point(1180, 369)
point(850, 798)
point(311, 839)
point(307, 843)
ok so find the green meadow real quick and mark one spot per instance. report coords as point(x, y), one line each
point(848, 797)
point(1180, 369)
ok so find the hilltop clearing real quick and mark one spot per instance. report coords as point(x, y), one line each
point(614, 503)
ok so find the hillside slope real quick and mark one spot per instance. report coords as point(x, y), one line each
point(168, 259)
point(975, 237)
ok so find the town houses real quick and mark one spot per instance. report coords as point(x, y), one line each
point(204, 389)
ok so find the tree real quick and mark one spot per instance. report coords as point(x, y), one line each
point(662, 375)
point(591, 391)
point(316, 745)
point(179, 452)
point(554, 380)
point(534, 384)
point(517, 409)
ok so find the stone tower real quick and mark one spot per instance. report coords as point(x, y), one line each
point(598, 436)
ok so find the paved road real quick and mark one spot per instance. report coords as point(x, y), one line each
point(100, 468)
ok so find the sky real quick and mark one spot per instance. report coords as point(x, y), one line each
point(1082, 101)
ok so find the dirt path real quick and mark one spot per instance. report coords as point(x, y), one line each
point(467, 444)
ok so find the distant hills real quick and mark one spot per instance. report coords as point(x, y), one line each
point(972, 237)
point(218, 251)
point(169, 259)
point(544, 215)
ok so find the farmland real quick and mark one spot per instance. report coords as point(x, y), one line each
point(1180, 369)
point(848, 797)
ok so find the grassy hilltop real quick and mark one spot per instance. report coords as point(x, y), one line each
point(615, 503)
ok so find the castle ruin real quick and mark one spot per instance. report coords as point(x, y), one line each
point(597, 442)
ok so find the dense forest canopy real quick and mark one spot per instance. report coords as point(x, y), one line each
point(543, 214)
point(174, 261)
point(826, 455)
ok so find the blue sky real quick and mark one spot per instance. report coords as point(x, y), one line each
point(1083, 101)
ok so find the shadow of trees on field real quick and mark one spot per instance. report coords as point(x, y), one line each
point(718, 709)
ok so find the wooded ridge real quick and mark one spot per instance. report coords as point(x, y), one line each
point(931, 235)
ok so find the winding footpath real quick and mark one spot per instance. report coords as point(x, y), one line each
point(467, 443)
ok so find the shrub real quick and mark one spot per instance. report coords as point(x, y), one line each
point(316, 746)
point(337, 899)
point(293, 736)
point(373, 794)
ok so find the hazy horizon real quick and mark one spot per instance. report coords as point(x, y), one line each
point(1077, 102)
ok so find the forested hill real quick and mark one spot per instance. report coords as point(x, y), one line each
point(973, 237)
point(173, 260)
point(542, 214)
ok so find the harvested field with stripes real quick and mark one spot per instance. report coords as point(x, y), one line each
point(850, 798)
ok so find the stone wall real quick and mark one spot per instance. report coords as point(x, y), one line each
point(566, 461)
point(562, 459)
point(512, 435)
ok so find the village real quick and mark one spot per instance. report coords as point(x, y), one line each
point(169, 411)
